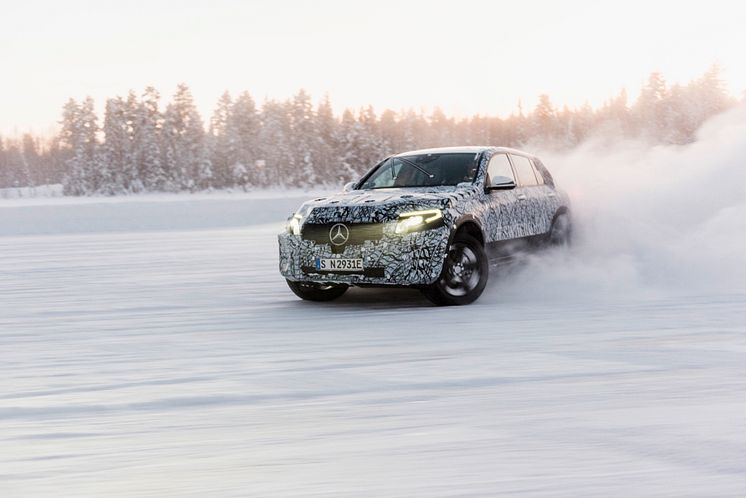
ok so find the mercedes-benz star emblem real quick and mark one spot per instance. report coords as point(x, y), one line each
point(339, 234)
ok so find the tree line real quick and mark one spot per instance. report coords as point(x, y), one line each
point(141, 146)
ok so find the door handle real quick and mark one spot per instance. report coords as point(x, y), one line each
point(521, 197)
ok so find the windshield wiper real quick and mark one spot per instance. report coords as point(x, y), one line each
point(415, 165)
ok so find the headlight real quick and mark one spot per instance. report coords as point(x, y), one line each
point(415, 221)
point(293, 225)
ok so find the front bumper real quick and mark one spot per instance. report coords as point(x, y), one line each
point(411, 259)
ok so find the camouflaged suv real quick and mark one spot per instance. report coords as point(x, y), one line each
point(430, 219)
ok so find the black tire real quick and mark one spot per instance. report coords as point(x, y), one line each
point(560, 233)
point(312, 291)
point(464, 274)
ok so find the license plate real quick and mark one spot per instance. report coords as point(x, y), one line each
point(339, 264)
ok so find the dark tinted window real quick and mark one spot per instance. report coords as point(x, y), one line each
point(499, 166)
point(548, 180)
point(537, 172)
point(424, 170)
point(524, 170)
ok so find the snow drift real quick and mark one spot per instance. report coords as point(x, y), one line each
point(649, 219)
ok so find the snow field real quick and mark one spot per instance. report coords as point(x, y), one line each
point(150, 348)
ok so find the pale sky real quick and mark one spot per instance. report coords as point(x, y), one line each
point(464, 56)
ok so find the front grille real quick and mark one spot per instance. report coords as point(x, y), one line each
point(359, 232)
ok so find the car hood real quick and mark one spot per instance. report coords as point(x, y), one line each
point(367, 206)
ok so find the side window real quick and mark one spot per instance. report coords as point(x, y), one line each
point(537, 172)
point(546, 175)
point(500, 166)
point(524, 170)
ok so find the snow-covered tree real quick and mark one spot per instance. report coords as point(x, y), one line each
point(148, 143)
point(243, 127)
point(185, 153)
point(303, 133)
point(5, 174)
point(276, 155)
point(222, 145)
point(544, 121)
point(649, 110)
point(117, 157)
point(361, 145)
point(15, 170)
point(441, 129)
point(84, 174)
point(325, 146)
point(371, 144)
point(291, 143)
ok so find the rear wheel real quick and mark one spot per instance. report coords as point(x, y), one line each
point(312, 291)
point(464, 275)
point(561, 232)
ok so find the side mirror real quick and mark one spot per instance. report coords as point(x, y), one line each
point(348, 186)
point(502, 183)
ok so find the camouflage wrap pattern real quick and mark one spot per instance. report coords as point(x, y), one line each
point(410, 259)
point(416, 258)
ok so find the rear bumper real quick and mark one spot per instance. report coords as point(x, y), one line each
point(411, 259)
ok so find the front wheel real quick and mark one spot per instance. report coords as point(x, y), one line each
point(464, 275)
point(312, 291)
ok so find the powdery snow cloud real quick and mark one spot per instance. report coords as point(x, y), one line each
point(649, 219)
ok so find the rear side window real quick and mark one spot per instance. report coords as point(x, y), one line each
point(537, 172)
point(524, 170)
point(548, 180)
point(500, 166)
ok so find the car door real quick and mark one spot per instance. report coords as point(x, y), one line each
point(505, 213)
point(531, 209)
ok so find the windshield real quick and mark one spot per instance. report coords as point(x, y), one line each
point(424, 170)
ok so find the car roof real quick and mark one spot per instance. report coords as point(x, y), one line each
point(470, 149)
